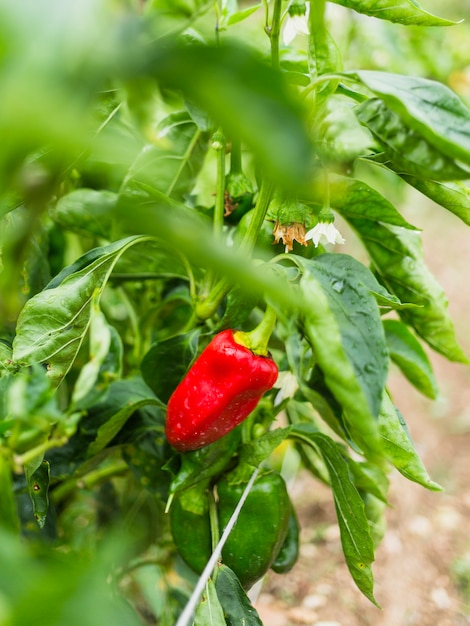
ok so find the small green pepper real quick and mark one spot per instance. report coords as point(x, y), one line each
point(288, 554)
point(261, 527)
point(190, 526)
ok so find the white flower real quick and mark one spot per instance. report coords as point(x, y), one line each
point(326, 231)
point(287, 384)
point(295, 25)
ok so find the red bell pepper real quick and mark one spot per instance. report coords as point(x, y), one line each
point(219, 391)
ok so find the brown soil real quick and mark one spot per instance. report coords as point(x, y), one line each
point(422, 567)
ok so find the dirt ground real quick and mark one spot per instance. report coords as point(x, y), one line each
point(422, 567)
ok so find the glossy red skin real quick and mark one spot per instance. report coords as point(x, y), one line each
point(219, 391)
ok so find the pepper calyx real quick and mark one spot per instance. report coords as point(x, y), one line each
point(257, 339)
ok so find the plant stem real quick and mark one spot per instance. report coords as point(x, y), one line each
point(89, 480)
point(34, 453)
point(220, 189)
point(274, 34)
point(257, 339)
point(236, 157)
point(208, 306)
point(262, 204)
point(207, 287)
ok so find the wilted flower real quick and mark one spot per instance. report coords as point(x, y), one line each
point(289, 233)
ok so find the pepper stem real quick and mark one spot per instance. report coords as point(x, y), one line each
point(257, 339)
point(274, 33)
point(236, 156)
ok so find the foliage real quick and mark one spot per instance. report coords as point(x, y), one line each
point(149, 149)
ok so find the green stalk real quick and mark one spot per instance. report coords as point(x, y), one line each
point(236, 157)
point(257, 340)
point(208, 287)
point(89, 480)
point(219, 142)
point(274, 33)
point(207, 307)
point(32, 454)
point(260, 210)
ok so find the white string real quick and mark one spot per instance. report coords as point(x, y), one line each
point(187, 614)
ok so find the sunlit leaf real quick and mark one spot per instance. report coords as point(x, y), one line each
point(427, 107)
point(399, 447)
point(355, 535)
point(346, 335)
point(53, 324)
point(397, 257)
point(235, 603)
point(453, 195)
point(404, 12)
point(209, 611)
point(406, 351)
point(406, 150)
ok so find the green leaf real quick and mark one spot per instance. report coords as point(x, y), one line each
point(427, 107)
point(404, 12)
point(324, 54)
point(177, 156)
point(124, 398)
point(227, 79)
point(86, 211)
point(255, 452)
point(31, 408)
point(323, 401)
point(231, 15)
point(407, 151)
point(301, 413)
point(346, 335)
point(397, 256)
point(209, 611)
point(356, 199)
point(100, 343)
point(52, 325)
point(235, 603)
point(370, 479)
point(109, 370)
point(399, 448)
point(151, 259)
point(355, 535)
point(341, 138)
point(453, 196)
point(406, 351)
point(38, 488)
point(211, 460)
point(165, 364)
point(238, 308)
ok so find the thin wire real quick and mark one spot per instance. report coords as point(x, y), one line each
point(187, 614)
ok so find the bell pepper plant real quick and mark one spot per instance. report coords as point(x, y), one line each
point(205, 277)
